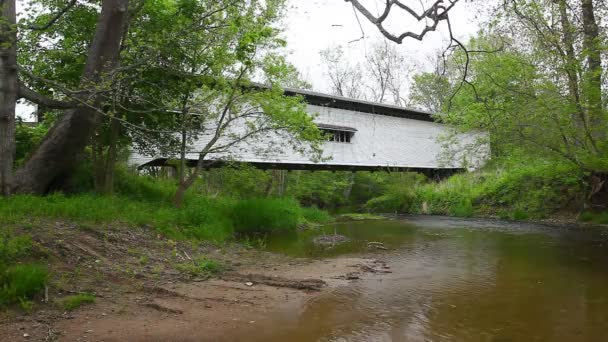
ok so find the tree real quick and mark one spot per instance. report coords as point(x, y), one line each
point(379, 78)
point(63, 144)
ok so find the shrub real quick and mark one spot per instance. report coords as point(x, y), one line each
point(73, 302)
point(464, 209)
point(21, 282)
point(316, 215)
point(265, 215)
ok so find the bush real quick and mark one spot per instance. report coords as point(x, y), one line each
point(464, 209)
point(315, 215)
point(517, 191)
point(73, 302)
point(19, 283)
point(266, 215)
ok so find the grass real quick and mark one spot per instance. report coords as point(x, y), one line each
point(70, 303)
point(361, 217)
point(266, 215)
point(18, 283)
point(200, 267)
point(593, 217)
point(514, 191)
point(315, 215)
point(141, 202)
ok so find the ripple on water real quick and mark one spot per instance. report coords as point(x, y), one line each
point(458, 280)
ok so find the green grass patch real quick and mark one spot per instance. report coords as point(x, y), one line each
point(593, 217)
point(18, 283)
point(200, 267)
point(360, 217)
point(13, 247)
point(70, 303)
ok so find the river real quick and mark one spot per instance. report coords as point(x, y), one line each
point(454, 280)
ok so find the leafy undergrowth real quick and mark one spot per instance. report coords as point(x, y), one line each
point(515, 190)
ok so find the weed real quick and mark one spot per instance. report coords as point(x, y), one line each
point(200, 267)
point(144, 259)
point(73, 302)
point(21, 282)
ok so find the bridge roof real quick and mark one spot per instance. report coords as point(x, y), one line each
point(334, 101)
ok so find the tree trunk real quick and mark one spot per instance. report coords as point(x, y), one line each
point(97, 162)
point(8, 94)
point(183, 187)
point(63, 145)
point(110, 166)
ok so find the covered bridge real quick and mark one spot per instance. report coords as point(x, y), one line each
point(364, 136)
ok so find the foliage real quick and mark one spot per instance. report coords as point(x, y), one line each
point(20, 282)
point(397, 195)
point(315, 215)
point(514, 190)
point(73, 302)
point(27, 139)
point(266, 215)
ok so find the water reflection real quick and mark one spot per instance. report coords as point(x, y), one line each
point(457, 280)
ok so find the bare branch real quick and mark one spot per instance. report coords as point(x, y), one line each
point(436, 13)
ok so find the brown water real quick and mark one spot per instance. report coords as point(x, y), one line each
point(455, 280)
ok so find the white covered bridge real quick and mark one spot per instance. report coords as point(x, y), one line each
point(365, 136)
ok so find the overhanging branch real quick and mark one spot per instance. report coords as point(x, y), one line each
point(436, 13)
point(37, 98)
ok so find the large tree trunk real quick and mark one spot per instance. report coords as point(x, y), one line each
point(8, 93)
point(65, 142)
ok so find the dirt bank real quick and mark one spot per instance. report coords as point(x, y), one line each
point(143, 293)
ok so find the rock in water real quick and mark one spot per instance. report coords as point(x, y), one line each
point(330, 240)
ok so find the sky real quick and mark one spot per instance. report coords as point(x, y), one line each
point(314, 25)
point(311, 26)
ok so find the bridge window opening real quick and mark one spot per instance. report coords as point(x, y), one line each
point(337, 133)
point(338, 136)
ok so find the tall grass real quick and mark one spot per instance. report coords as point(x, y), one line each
point(141, 202)
point(266, 215)
point(19, 283)
point(521, 191)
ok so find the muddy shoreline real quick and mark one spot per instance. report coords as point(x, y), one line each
point(155, 301)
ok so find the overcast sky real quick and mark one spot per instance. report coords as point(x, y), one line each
point(314, 25)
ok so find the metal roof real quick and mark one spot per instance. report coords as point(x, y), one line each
point(336, 127)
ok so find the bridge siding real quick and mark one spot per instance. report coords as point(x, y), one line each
point(380, 140)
